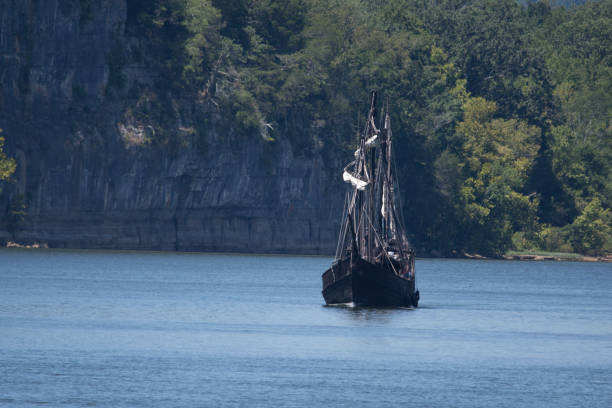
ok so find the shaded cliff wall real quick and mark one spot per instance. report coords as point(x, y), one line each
point(71, 76)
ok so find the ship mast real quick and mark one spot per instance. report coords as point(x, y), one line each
point(374, 263)
point(372, 227)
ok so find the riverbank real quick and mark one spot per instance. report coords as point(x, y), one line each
point(35, 245)
point(554, 256)
point(510, 255)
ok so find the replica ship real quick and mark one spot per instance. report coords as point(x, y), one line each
point(374, 263)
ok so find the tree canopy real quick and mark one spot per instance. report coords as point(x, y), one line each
point(501, 110)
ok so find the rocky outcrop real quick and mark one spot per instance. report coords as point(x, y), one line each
point(71, 73)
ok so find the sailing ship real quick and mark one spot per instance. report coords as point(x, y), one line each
point(374, 262)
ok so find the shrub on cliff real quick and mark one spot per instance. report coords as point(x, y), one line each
point(7, 165)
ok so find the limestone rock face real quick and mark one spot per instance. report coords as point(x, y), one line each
point(90, 175)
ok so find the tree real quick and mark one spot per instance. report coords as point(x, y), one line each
point(575, 45)
point(235, 15)
point(203, 22)
point(496, 156)
point(280, 23)
point(7, 168)
point(591, 232)
point(7, 165)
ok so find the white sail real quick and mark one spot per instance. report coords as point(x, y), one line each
point(369, 143)
point(358, 183)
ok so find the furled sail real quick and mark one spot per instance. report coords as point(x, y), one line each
point(358, 183)
point(369, 143)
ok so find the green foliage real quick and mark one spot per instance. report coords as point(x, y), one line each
point(280, 23)
point(576, 46)
point(243, 111)
point(584, 165)
point(235, 15)
point(489, 42)
point(555, 239)
point(7, 165)
point(591, 232)
point(501, 112)
point(569, 256)
point(162, 22)
point(496, 156)
point(202, 22)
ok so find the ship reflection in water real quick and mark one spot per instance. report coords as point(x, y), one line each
point(125, 329)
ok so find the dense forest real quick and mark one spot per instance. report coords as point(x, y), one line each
point(501, 110)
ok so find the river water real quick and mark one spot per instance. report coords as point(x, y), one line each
point(135, 329)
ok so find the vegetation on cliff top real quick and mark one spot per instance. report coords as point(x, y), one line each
point(501, 111)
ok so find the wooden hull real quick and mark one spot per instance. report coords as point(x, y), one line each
point(366, 284)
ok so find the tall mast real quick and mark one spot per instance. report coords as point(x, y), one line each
point(373, 220)
point(371, 191)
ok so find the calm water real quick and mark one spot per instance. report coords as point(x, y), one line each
point(121, 329)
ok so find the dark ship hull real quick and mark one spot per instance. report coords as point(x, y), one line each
point(367, 284)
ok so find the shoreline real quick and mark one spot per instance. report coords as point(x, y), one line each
point(561, 258)
point(510, 256)
point(547, 256)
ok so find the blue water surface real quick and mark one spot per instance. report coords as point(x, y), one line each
point(136, 329)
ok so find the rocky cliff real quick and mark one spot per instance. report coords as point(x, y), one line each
point(79, 112)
